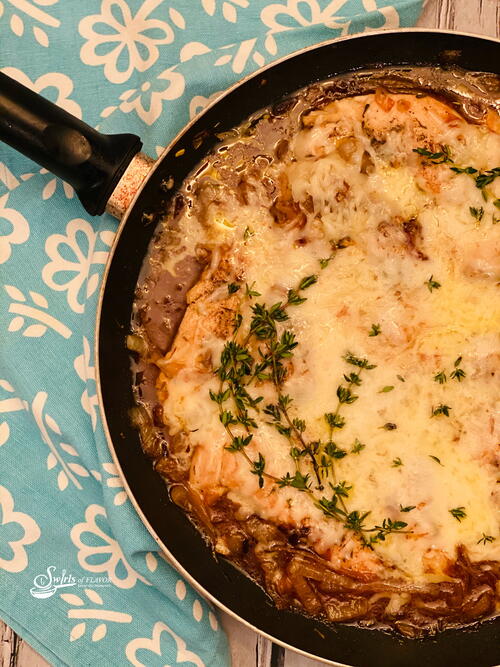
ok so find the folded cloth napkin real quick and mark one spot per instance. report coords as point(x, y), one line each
point(80, 577)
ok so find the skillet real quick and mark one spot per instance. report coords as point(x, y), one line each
point(94, 163)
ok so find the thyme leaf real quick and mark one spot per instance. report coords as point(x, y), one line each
point(355, 521)
point(308, 281)
point(477, 213)
point(440, 377)
point(258, 468)
point(464, 170)
point(389, 426)
point(458, 374)
point(432, 284)
point(357, 447)
point(297, 481)
point(324, 261)
point(334, 451)
point(294, 299)
point(435, 458)
point(458, 513)
point(441, 409)
point(484, 178)
point(238, 443)
point(250, 292)
point(333, 420)
point(345, 395)
point(357, 361)
point(408, 508)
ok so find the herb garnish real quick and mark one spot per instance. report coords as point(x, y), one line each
point(435, 458)
point(375, 330)
point(440, 377)
point(432, 284)
point(408, 508)
point(250, 292)
point(464, 170)
point(386, 389)
point(239, 409)
point(397, 462)
point(356, 361)
point(248, 233)
point(340, 244)
point(357, 447)
point(258, 469)
point(477, 213)
point(458, 513)
point(389, 426)
point(298, 481)
point(388, 526)
point(481, 178)
point(436, 158)
point(458, 373)
point(486, 177)
point(441, 410)
point(308, 281)
point(485, 538)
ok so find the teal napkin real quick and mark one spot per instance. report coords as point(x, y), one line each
point(80, 577)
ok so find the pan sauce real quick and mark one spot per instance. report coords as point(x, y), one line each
point(408, 282)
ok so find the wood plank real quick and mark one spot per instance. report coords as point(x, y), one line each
point(28, 657)
point(8, 646)
point(481, 17)
point(242, 641)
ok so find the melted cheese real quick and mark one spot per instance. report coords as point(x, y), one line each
point(380, 279)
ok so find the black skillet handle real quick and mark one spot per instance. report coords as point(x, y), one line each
point(91, 162)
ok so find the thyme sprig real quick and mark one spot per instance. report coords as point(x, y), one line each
point(440, 157)
point(239, 409)
point(335, 420)
point(481, 178)
point(388, 526)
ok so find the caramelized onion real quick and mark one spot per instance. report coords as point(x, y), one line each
point(346, 610)
point(151, 443)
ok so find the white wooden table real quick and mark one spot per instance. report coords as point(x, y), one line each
point(247, 648)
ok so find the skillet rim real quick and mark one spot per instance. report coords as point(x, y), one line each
point(169, 557)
